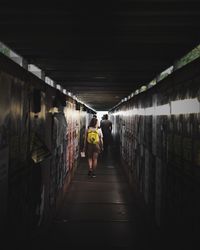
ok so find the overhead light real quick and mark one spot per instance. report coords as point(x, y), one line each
point(152, 83)
point(137, 91)
point(74, 97)
point(58, 86)
point(143, 88)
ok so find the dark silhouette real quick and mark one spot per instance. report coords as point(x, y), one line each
point(106, 128)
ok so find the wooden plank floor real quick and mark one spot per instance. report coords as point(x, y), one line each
point(98, 211)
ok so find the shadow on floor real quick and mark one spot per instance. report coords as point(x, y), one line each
point(101, 212)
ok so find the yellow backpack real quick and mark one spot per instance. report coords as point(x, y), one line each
point(93, 136)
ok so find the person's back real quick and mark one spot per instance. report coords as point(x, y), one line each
point(92, 145)
point(106, 128)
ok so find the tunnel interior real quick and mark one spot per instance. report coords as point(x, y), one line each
point(107, 50)
point(137, 61)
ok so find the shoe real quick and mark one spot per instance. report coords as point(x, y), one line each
point(93, 175)
point(89, 173)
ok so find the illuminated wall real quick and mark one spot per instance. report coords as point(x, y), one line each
point(158, 134)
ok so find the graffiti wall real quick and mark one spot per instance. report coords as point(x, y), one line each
point(40, 135)
point(158, 134)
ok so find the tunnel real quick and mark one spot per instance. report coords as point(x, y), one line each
point(62, 65)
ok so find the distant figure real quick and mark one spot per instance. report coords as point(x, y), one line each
point(106, 128)
point(93, 145)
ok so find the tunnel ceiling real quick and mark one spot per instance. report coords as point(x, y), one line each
point(103, 51)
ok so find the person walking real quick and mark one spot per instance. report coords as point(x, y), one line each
point(106, 128)
point(93, 144)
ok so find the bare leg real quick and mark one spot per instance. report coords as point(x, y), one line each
point(90, 164)
point(94, 161)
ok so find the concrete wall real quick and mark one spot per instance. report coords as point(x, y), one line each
point(158, 133)
point(40, 133)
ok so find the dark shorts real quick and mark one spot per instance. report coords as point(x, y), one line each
point(91, 149)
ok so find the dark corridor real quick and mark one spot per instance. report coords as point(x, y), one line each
point(99, 211)
point(103, 211)
point(136, 60)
